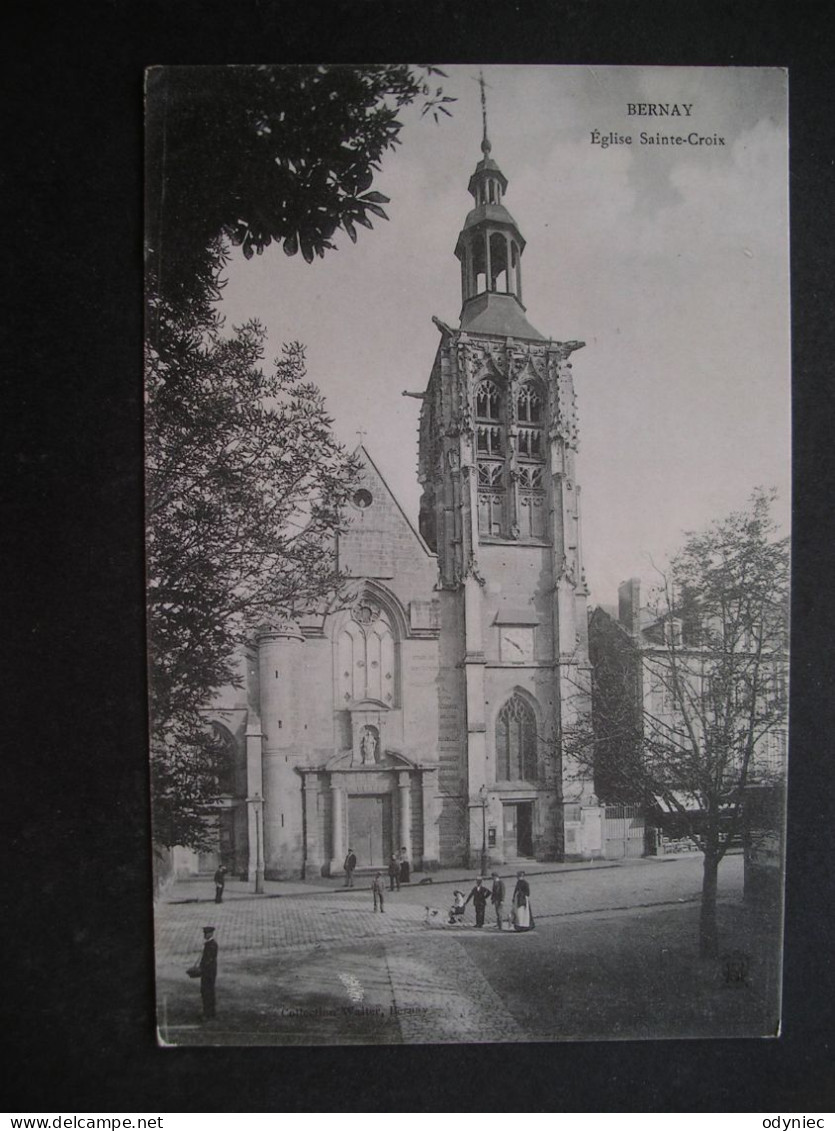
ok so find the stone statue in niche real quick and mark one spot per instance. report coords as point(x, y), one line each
point(369, 746)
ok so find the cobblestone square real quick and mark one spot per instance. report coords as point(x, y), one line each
point(613, 955)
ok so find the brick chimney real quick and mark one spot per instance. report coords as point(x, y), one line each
point(629, 605)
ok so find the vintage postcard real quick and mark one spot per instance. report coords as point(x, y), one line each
point(467, 454)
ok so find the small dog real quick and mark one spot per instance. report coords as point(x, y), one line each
point(427, 880)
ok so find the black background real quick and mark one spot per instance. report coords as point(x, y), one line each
point(77, 919)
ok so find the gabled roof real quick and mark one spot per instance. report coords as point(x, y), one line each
point(377, 539)
point(362, 452)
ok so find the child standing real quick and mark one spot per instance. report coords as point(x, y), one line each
point(377, 888)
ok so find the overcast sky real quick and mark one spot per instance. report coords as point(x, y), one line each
point(670, 263)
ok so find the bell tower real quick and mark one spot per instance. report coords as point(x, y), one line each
point(489, 249)
point(501, 507)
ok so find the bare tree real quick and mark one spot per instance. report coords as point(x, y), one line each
point(690, 700)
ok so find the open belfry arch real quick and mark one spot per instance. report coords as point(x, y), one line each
point(423, 711)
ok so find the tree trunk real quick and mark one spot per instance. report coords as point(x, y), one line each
point(708, 928)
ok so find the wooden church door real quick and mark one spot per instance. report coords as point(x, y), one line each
point(369, 830)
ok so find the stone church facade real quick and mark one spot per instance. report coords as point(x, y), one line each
point(426, 711)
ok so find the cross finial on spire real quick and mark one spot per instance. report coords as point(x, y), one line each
point(485, 141)
point(361, 432)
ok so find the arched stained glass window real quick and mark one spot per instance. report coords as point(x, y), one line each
point(516, 741)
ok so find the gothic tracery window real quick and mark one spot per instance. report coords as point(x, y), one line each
point(529, 404)
point(366, 656)
point(516, 741)
point(490, 452)
point(488, 402)
point(365, 613)
point(531, 478)
point(490, 475)
point(529, 416)
point(531, 451)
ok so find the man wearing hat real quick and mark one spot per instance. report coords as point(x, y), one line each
point(348, 866)
point(208, 972)
point(479, 895)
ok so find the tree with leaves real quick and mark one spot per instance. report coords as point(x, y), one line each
point(255, 155)
point(245, 489)
point(690, 698)
point(245, 481)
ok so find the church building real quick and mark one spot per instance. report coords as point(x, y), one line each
point(426, 712)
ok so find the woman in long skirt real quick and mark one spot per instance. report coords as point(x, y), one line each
point(522, 913)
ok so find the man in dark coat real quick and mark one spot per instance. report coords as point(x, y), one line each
point(479, 895)
point(220, 883)
point(497, 898)
point(394, 873)
point(405, 867)
point(350, 864)
point(208, 972)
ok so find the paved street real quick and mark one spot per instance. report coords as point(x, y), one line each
point(613, 955)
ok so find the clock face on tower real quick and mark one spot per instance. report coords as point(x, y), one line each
point(516, 645)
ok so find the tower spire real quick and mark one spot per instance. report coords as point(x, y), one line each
point(490, 248)
point(485, 141)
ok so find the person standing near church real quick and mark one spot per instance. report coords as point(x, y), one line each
point(497, 898)
point(220, 883)
point(350, 864)
point(405, 868)
point(378, 887)
point(208, 972)
point(394, 872)
point(522, 911)
point(479, 895)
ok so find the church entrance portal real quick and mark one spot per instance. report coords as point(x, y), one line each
point(369, 829)
point(518, 829)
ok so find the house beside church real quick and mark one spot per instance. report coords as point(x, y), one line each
point(425, 711)
point(661, 684)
